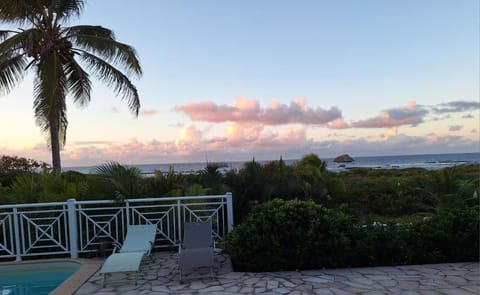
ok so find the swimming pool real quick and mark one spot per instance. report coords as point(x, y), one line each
point(34, 278)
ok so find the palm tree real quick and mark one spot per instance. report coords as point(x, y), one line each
point(54, 50)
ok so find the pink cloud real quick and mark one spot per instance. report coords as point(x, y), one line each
point(249, 111)
point(411, 114)
point(338, 124)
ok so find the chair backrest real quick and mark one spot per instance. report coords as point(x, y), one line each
point(197, 234)
point(139, 237)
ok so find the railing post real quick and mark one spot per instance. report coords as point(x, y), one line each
point(229, 212)
point(179, 222)
point(127, 212)
point(72, 228)
point(18, 256)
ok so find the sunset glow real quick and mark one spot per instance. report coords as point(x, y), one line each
point(231, 81)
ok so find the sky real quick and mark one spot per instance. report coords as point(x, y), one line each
point(232, 80)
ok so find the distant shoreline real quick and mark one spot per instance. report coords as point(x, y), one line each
point(426, 161)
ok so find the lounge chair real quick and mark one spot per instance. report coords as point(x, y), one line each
point(197, 247)
point(137, 244)
point(139, 238)
point(122, 262)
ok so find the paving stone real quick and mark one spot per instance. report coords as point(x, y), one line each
point(430, 292)
point(362, 281)
point(322, 291)
point(197, 285)
point(320, 280)
point(455, 279)
point(233, 289)
point(337, 291)
point(408, 285)
point(282, 291)
point(161, 289)
point(272, 285)
point(246, 290)
point(388, 283)
point(212, 289)
point(456, 292)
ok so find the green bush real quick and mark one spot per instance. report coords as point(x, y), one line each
point(288, 235)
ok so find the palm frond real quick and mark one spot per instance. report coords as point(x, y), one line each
point(101, 41)
point(11, 71)
point(78, 82)
point(4, 34)
point(114, 78)
point(50, 88)
point(67, 8)
point(96, 31)
point(25, 41)
point(18, 11)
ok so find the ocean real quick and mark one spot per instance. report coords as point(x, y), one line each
point(429, 161)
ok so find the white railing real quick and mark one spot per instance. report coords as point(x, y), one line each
point(76, 227)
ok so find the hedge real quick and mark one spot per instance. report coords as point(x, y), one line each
point(294, 234)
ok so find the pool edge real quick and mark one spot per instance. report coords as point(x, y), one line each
point(88, 268)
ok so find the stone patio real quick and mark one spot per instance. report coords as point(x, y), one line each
point(161, 277)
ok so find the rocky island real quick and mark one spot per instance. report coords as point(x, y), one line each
point(345, 158)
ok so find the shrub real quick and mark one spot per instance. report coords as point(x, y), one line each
point(288, 235)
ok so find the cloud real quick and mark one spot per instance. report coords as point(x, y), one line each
point(151, 112)
point(242, 142)
point(297, 112)
point(249, 111)
point(454, 128)
point(411, 114)
point(338, 124)
point(91, 142)
point(469, 116)
point(457, 107)
point(390, 133)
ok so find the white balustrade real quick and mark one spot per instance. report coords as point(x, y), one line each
point(81, 227)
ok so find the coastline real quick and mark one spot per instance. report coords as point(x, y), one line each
point(425, 161)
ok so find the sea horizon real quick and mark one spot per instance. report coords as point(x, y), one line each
point(427, 161)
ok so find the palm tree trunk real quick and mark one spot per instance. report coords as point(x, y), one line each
point(55, 145)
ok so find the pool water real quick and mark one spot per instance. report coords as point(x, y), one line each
point(34, 278)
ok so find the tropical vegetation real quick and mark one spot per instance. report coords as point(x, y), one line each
point(296, 216)
point(61, 58)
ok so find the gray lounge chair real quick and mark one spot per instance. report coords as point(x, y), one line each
point(197, 247)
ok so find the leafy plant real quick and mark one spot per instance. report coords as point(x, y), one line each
point(124, 180)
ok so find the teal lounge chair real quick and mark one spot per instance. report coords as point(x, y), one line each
point(137, 244)
point(139, 238)
point(197, 247)
point(122, 262)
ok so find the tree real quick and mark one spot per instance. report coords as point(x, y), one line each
point(53, 51)
point(13, 166)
